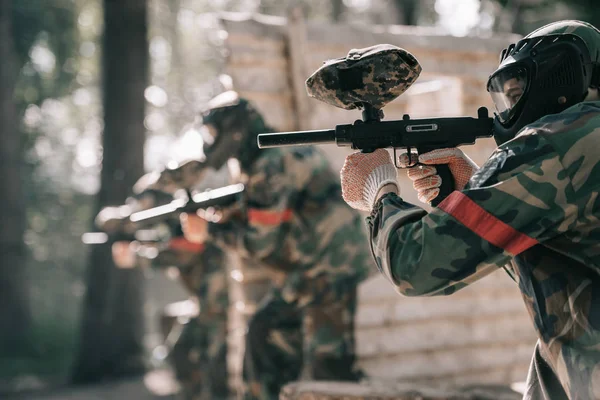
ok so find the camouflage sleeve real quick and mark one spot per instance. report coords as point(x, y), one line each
point(169, 180)
point(521, 197)
point(270, 193)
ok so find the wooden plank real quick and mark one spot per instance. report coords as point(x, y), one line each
point(260, 79)
point(378, 287)
point(325, 116)
point(248, 61)
point(297, 50)
point(402, 310)
point(275, 108)
point(438, 333)
point(406, 37)
point(378, 390)
point(494, 284)
point(252, 24)
point(256, 46)
point(361, 36)
point(501, 375)
point(450, 363)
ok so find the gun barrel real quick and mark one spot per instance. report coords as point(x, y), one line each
point(94, 238)
point(223, 196)
point(159, 211)
point(141, 235)
point(268, 140)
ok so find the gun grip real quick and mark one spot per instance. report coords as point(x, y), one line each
point(447, 186)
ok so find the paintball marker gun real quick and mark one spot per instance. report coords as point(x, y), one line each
point(368, 79)
point(220, 197)
point(142, 235)
point(124, 225)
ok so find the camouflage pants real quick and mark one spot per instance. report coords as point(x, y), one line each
point(199, 355)
point(542, 383)
point(286, 342)
point(199, 358)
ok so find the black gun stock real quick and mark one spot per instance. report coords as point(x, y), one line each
point(221, 197)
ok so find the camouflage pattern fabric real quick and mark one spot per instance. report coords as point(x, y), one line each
point(199, 353)
point(281, 336)
point(374, 75)
point(199, 356)
point(199, 360)
point(201, 270)
point(169, 180)
point(534, 204)
point(145, 195)
point(295, 222)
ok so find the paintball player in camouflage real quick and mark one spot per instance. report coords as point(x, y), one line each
point(198, 354)
point(291, 222)
point(532, 208)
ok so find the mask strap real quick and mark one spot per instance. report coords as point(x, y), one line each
point(595, 81)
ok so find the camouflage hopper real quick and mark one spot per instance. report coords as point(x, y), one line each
point(374, 75)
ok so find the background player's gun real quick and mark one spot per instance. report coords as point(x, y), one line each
point(368, 79)
point(221, 197)
point(146, 236)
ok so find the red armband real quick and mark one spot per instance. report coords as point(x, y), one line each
point(181, 243)
point(485, 225)
point(265, 217)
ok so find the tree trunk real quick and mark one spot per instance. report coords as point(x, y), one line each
point(337, 10)
point(113, 323)
point(14, 299)
point(407, 11)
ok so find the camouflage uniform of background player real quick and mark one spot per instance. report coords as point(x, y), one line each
point(534, 204)
point(199, 354)
point(293, 223)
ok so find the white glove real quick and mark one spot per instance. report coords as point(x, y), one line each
point(364, 175)
point(124, 254)
point(425, 179)
point(195, 228)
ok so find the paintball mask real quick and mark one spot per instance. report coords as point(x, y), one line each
point(231, 126)
point(545, 73)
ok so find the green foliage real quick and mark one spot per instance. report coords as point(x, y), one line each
point(46, 363)
point(51, 25)
point(48, 39)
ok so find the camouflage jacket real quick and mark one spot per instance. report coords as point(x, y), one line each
point(534, 205)
point(202, 270)
point(295, 221)
point(202, 267)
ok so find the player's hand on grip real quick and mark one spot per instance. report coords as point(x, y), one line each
point(367, 176)
point(124, 255)
point(195, 228)
point(424, 175)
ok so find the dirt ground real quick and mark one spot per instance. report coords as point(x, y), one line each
point(154, 386)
